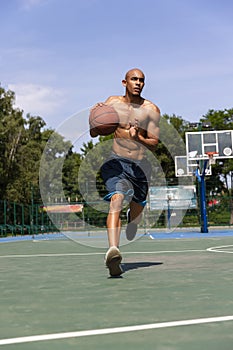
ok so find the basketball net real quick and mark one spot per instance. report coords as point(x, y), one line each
point(212, 159)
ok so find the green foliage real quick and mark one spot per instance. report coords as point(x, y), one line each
point(12, 136)
point(27, 147)
point(71, 167)
point(171, 144)
point(220, 213)
point(51, 167)
point(219, 120)
point(21, 148)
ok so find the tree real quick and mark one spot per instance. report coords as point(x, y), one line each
point(171, 144)
point(70, 173)
point(28, 157)
point(222, 120)
point(12, 134)
point(51, 167)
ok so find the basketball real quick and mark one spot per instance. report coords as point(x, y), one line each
point(104, 119)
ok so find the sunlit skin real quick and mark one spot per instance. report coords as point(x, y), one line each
point(138, 130)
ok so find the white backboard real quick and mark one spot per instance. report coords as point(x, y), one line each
point(187, 167)
point(199, 143)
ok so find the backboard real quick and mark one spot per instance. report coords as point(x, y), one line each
point(187, 167)
point(174, 197)
point(199, 143)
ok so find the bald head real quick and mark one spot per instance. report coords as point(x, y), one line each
point(134, 71)
point(134, 82)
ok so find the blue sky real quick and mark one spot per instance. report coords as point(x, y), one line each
point(62, 56)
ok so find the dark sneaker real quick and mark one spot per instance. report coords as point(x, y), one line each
point(131, 228)
point(113, 261)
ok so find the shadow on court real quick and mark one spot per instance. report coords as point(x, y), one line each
point(134, 266)
point(139, 265)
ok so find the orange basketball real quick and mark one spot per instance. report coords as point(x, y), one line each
point(104, 119)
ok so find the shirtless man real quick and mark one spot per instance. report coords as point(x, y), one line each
point(127, 173)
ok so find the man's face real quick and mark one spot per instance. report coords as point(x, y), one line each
point(134, 82)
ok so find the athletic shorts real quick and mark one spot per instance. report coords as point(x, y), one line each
point(126, 176)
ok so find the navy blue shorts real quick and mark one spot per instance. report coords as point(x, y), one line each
point(127, 176)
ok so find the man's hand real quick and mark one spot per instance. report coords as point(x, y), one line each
point(134, 128)
point(99, 104)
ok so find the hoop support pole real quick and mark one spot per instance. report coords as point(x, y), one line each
point(202, 192)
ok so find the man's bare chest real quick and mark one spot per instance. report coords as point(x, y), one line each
point(128, 114)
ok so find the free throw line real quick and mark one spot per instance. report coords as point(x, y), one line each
point(43, 255)
point(114, 330)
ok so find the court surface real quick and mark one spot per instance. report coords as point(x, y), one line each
point(176, 293)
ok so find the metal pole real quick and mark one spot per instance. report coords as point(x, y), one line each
point(32, 210)
point(202, 191)
point(168, 212)
point(22, 221)
point(14, 206)
point(5, 209)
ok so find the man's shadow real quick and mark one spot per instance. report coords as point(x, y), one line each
point(134, 266)
point(138, 265)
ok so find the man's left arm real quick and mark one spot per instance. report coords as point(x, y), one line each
point(150, 139)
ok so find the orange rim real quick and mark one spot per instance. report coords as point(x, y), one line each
point(211, 154)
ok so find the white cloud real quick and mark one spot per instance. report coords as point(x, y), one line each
point(37, 99)
point(28, 4)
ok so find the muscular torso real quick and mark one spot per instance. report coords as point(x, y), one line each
point(123, 144)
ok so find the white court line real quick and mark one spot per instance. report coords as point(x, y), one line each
point(218, 249)
point(104, 331)
point(47, 255)
point(95, 253)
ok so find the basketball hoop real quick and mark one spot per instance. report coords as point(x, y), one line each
point(212, 159)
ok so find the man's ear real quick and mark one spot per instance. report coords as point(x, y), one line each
point(124, 82)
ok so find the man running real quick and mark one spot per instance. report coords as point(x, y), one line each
point(126, 173)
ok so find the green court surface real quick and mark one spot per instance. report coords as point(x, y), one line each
point(174, 294)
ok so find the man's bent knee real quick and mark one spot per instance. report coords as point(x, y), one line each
point(116, 202)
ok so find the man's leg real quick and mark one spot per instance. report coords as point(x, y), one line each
point(113, 256)
point(136, 210)
point(114, 221)
point(134, 216)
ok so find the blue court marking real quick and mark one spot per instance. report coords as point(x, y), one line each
point(153, 235)
point(45, 236)
point(190, 234)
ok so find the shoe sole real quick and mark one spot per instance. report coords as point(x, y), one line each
point(113, 263)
